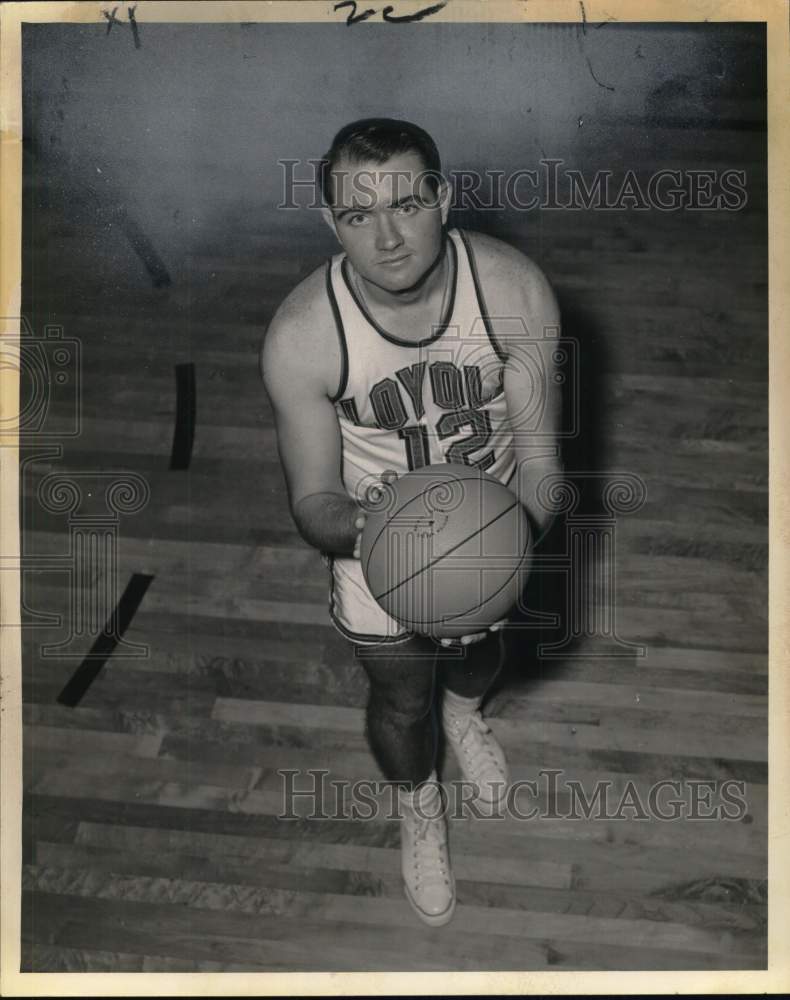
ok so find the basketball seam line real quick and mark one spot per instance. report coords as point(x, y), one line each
point(489, 597)
point(374, 543)
point(438, 559)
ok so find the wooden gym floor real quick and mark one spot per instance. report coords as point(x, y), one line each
point(151, 837)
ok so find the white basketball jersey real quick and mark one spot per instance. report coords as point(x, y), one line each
point(403, 404)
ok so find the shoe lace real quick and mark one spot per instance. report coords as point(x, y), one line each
point(470, 731)
point(429, 850)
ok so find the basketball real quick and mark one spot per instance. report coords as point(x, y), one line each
point(445, 549)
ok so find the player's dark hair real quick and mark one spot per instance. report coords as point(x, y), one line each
point(376, 140)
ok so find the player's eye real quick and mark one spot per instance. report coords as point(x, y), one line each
point(408, 209)
point(357, 220)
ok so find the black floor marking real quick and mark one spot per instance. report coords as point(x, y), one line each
point(87, 672)
point(186, 405)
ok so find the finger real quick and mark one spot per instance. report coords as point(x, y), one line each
point(467, 640)
point(497, 625)
point(359, 524)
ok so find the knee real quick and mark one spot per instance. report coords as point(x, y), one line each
point(401, 704)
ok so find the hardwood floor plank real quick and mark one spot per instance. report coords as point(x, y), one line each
point(749, 746)
point(614, 696)
point(240, 937)
point(345, 915)
point(50, 743)
point(651, 859)
point(727, 907)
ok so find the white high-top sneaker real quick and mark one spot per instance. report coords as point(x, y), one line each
point(425, 863)
point(480, 757)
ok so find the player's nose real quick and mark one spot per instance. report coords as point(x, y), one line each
point(388, 236)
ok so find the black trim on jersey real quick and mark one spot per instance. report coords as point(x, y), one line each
point(500, 391)
point(391, 337)
point(480, 299)
point(497, 394)
point(349, 408)
point(342, 455)
point(468, 378)
point(361, 637)
point(341, 335)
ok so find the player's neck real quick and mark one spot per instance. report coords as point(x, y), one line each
point(430, 286)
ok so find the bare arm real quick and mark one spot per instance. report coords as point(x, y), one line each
point(533, 393)
point(525, 317)
point(308, 440)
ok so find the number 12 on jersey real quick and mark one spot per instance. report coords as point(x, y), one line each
point(415, 437)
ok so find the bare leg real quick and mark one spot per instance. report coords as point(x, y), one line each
point(403, 735)
point(471, 676)
point(401, 721)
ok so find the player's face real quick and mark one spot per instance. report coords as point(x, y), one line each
point(388, 218)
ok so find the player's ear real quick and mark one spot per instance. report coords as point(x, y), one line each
point(444, 196)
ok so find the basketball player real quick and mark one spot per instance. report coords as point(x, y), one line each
point(413, 345)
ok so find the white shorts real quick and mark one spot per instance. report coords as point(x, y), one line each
point(354, 612)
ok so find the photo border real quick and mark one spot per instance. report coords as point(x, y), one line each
point(774, 13)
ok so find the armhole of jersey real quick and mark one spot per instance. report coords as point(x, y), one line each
point(341, 335)
point(480, 299)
